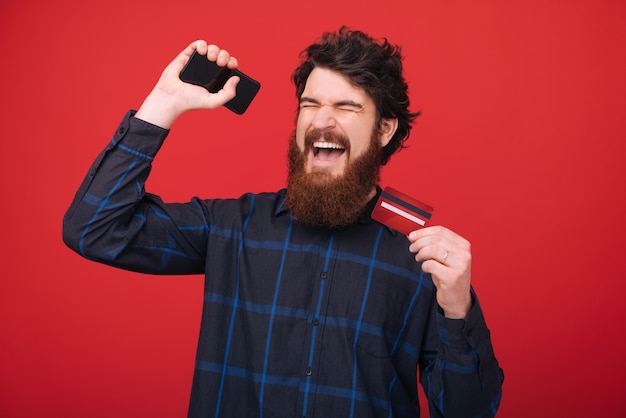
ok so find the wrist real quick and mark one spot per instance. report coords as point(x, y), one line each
point(159, 109)
point(459, 310)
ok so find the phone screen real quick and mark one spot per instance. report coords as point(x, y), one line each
point(202, 72)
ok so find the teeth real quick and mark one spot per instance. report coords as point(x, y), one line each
point(328, 145)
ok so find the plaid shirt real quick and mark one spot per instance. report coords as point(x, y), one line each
point(296, 321)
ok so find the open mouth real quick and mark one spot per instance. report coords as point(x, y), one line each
point(327, 151)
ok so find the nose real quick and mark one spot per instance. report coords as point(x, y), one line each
point(324, 118)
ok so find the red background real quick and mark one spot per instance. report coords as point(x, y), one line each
point(521, 148)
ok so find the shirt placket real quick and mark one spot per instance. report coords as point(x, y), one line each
point(322, 275)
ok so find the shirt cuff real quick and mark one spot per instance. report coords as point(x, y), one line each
point(139, 137)
point(464, 334)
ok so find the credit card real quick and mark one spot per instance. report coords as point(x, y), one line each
point(401, 212)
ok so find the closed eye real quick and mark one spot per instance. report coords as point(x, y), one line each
point(308, 102)
point(348, 105)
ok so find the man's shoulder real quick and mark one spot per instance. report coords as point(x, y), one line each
point(268, 201)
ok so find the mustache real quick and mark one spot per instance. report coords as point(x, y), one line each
point(329, 136)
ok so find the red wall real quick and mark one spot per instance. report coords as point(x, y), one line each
point(521, 148)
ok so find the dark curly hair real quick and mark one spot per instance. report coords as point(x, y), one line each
point(375, 66)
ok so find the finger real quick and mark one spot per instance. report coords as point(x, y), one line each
point(439, 236)
point(181, 59)
point(222, 58)
point(428, 240)
point(229, 90)
point(232, 63)
point(212, 52)
point(436, 253)
point(436, 270)
point(430, 231)
point(231, 84)
point(200, 45)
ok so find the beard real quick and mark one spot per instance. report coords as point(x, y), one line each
point(320, 199)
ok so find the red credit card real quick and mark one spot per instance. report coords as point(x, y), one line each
point(401, 212)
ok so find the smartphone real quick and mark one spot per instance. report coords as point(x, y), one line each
point(202, 72)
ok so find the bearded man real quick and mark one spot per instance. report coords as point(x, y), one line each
point(311, 308)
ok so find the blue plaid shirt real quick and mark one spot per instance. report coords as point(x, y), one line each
point(297, 322)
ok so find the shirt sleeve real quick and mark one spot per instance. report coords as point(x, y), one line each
point(114, 221)
point(462, 378)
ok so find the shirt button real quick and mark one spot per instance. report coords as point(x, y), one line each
point(324, 275)
point(122, 130)
point(308, 371)
point(316, 321)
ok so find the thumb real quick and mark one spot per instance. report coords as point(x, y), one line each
point(229, 91)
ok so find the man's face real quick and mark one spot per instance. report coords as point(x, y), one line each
point(335, 152)
point(335, 122)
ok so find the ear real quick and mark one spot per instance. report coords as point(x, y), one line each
point(388, 127)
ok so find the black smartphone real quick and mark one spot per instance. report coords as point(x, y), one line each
point(202, 72)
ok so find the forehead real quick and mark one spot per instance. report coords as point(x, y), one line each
point(330, 86)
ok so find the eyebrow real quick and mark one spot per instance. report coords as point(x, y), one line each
point(342, 103)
